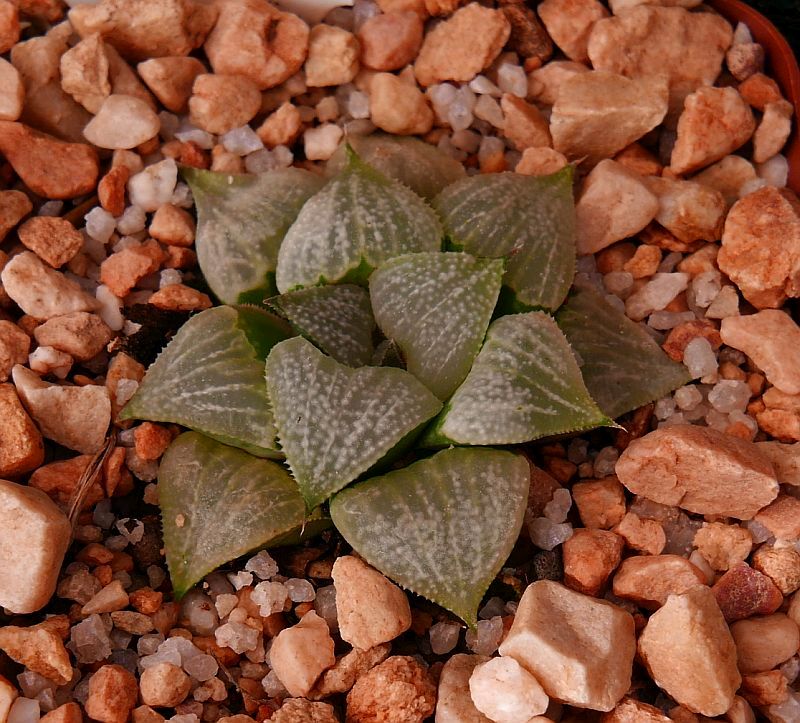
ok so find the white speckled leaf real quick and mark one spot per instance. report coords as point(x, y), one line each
point(525, 384)
point(530, 220)
point(241, 223)
point(622, 365)
point(354, 224)
point(338, 319)
point(436, 307)
point(218, 503)
point(210, 378)
point(442, 527)
point(422, 167)
point(334, 422)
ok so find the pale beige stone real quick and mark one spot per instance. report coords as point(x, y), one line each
point(772, 340)
point(141, 29)
point(41, 291)
point(171, 79)
point(220, 103)
point(721, 545)
point(700, 470)
point(587, 667)
point(599, 113)
point(79, 334)
point(75, 417)
point(569, 23)
point(744, 60)
point(34, 537)
point(782, 518)
point(689, 211)
point(332, 56)
point(507, 693)
point(301, 653)
point(763, 643)
point(125, 81)
point(122, 122)
point(453, 701)
point(370, 608)
point(85, 72)
point(295, 710)
point(614, 204)
point(540, 162)
point(761, 246)
point(544, 83)
point(689, 652)
point(8, 694)
point(620, 6)
point(727, 176)
point(390, 41)
point(12, 92)
point(164, 685)
point(773, 131)
point(650, 41)
point(462, 46)
point(714, 123)
point(254, 39)
point(109, 599)
point(785, 460)
point(649, 580)
point(14, 347)
point(398, 107)
point(524, 124)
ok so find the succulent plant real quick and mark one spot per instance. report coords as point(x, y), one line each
point(470, 291)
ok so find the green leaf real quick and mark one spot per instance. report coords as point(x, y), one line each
point(241, 223)
point(210, 378)
point(334, 422)
point(530, 220)
point(622, 365)
point(338, 319)
point(442, 527)
point(218, 503)
point(525, 384)
point(436, 307)
point(354, 224)
point(422, 167)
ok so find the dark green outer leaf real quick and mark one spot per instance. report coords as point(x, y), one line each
point(442, 527)
point(622, 365)
point(241, 223)
point(211, 379)
point(422, 167)
point(530, 220)
point(218, 503)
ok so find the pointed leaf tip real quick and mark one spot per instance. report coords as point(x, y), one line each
point(334, 422)
point(442, 527)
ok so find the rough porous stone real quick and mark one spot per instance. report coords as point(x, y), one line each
point(761, 246)
point(700, 470)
